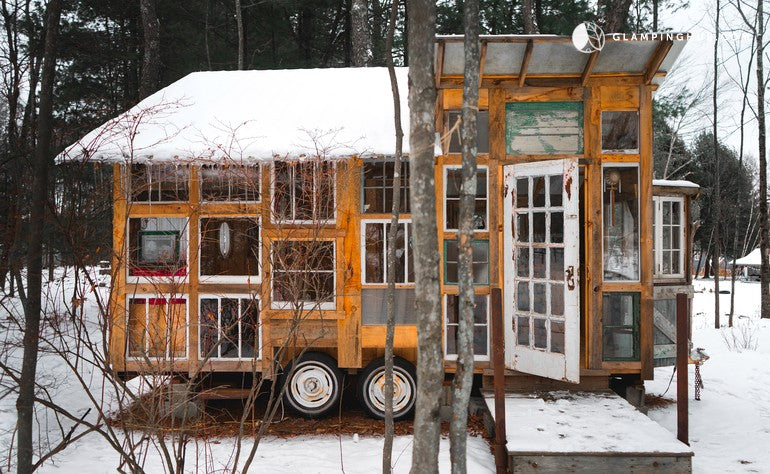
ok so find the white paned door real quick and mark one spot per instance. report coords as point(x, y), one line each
point(541, 266)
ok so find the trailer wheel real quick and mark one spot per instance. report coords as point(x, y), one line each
point(314, 386)
point(372, 381)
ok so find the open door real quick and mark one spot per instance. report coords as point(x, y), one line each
point(541, 264)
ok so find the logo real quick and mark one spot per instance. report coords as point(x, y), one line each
point(587, 37)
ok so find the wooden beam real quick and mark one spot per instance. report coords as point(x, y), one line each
point(525, 63)
point(589, 68)
point(657, 60)
point(482, 59)
point(440, 63)
point(682, 332)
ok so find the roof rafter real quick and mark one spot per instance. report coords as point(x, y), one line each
point(525, 63)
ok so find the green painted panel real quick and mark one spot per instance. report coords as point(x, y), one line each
point(544, 128)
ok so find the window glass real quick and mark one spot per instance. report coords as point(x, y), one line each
point(159, 182)
point(374, 306)
point(453, 184)
point(620, 131)
point(229, 327)
point(157, 246)
point(621, 224)
point(157, 327)
point(480, 265)
point(668, 231)
point(376, 245)
point(303, 272)
point(620, 323)
point(454, 125)
point(480, 325)
point(229, 247)
point(229, 183)
point(304, 191)
point(377, 187)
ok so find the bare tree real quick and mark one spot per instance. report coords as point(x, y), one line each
point(360, 38)
point(430, 370)
point(32, 309)
point(151, 49)
point(614, 14)
point(241, 35)
point(530, 25)
point(463, 379)
point(716, 201)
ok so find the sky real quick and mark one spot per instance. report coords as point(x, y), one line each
point(694, 70)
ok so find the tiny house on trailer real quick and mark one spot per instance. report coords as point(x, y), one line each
point(251, 221)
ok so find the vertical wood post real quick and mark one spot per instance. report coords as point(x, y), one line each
point(498, 361)
point(682, 333)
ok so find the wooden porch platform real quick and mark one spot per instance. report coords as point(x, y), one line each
point(586, 432)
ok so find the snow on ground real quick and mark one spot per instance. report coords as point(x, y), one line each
point(730, 425)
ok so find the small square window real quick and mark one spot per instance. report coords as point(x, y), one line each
point(620, 132)
point(157, 246)
point(454, 127)
point(480, 265)
point(376, 237)
point(377, 187)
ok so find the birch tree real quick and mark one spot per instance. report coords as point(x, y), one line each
point(463, 379)
point(430, 370)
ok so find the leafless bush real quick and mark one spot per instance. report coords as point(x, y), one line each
point(741, 337)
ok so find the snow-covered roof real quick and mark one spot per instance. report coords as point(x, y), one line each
point(255, 115)
point(753, 259)
point(674, 183)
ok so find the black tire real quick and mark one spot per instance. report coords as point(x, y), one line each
point(372, 379)
point(314, 385)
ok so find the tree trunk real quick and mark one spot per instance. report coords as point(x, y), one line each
point(359, 20)
point(25, 405)
point(241, 35)
point(430, 370)
point(530, 26)
point(151, 59)
point(763, 224)
point(615, 13)
point(390, 330)
point(716, 196)
point(463, 379)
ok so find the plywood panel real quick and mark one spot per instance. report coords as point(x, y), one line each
point(619, 97)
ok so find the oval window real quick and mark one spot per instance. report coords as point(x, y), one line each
point(224, 239)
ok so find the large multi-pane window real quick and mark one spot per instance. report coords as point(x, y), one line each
point(452, 187)
point(229, 327)
point(160, 182)
point(480, 326)
point(226, 183)
point(229, 249)
point(621, 223)
point(157, 246)
point(157, 327)
point(480, 264)
point(303, 274)
point(668, 242)
point(376, 244)
point(377, 187)
point(303, 191)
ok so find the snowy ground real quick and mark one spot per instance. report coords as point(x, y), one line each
point(729, 427)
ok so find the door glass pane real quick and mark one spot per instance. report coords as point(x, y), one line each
point(538, 227)
point(522, 227)
point(539, 298)
point(557, 337)
point(538, 191)
point(538, 262)
point(557, 299)
point(522, 192)
point(522, 331)
point(557, 264)
point(555, 190)
point(522, 262)
point(541, 335)
point(557, 227)
point(522, 296)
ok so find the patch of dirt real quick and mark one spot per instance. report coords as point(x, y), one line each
point(656, 401)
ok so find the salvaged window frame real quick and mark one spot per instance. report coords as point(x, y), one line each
point(383, 185)
point(314, 194)
point(217, 325)
point(663, 251)
point(624, 328)
point(621, 126)
point(529, 127)
point(149, 299)
point(367, 253)
point(310, 267)
point(177, 239)
point(452, 301)
point(476, 244)
point(453, 134)
point(147, 178)
point(613, 256)
point(256, 246)
point(243, 179)
point(455, 198)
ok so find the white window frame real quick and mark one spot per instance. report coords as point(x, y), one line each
point(480, 357)
point(444, 197)
point(167, 298)
point(404, 185)
point(638, 218)
point(273, 215)
point(130, 179)
point(158, 279)
point(219, 298)
point(384, 222)
point(231, 201)
point(247, 279)
point(308, 305)
point(657, 202)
